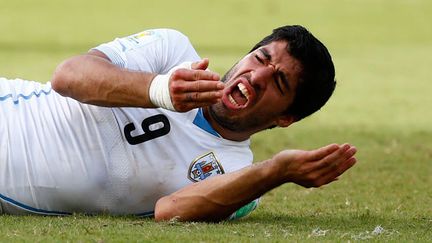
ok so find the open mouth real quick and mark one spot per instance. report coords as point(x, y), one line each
point(239, 96)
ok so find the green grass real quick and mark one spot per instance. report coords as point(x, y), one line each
point(382, 51)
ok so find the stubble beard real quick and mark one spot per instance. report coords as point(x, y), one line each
point(218, 111)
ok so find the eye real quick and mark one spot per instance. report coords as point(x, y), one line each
point(259, 59)
point(276, 80)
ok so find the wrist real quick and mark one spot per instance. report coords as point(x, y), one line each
point(159, 92)
point(273, 172)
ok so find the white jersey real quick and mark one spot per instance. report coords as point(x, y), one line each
point(60, 156)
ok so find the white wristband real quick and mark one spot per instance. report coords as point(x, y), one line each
point(159, 88)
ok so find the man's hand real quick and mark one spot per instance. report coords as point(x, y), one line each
point(195, 87)
point(316, 167)
point(185, 87)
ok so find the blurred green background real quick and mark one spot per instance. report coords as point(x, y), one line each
point(380, 48)
point(382, 52)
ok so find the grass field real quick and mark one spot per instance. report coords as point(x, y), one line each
point(382, 51)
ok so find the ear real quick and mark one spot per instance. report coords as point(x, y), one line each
point(285, 120)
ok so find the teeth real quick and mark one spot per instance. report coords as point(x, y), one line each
point(231, 99)
point(243, 90)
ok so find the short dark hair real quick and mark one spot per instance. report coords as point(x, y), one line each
point(317, 77)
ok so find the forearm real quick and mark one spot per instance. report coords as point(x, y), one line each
point(216, 198)
point(95, 80)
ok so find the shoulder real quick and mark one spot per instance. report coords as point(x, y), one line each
point(171, 35)
point(152, 50)
point(148, 38)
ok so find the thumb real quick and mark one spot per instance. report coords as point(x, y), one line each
point(201, 65)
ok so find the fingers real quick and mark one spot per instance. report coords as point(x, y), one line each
point(198, 91)
point(193, 75)
point(334, 161)
point(187, 106)
point(331, 161)
point(334, 174)
point(318, 167)
point(195, 88)
point(208, 98)
point(201, 64)
point(322, 152)
point(335, 164)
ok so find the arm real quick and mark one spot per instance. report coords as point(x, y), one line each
point(215, 198)
point(93, 79)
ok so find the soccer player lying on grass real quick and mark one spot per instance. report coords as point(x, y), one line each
point(133, 127)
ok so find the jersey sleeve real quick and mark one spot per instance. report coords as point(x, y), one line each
point(156, 50)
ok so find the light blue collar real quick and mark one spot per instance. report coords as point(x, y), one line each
point(201, 122)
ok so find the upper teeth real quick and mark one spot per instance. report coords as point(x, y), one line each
point(243, 90)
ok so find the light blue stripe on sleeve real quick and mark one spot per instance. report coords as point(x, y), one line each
point(115, 57)
point(26, 97)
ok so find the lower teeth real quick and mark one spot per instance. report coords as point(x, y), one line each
point(232, 100)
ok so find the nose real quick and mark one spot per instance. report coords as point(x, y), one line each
point(262, 75)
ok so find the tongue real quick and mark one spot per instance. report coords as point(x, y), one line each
point(238, 97)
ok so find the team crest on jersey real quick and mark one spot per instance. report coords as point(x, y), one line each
point(204, 166)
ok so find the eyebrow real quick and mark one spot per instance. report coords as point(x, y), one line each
point(265, 53)
point(281, 75)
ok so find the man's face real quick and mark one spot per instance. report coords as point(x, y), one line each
point(259, 88)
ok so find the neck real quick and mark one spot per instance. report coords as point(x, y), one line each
point(224, 132)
